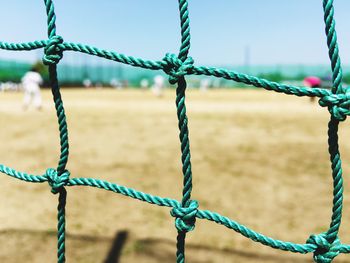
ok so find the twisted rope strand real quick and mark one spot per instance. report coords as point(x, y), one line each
point(111, 55)
point(287, 246)
point(51, 18)
point(333, 50)
point(162, 65)
point(185, 30)
point(23, 46)
point(61, 120)
point(337, 180)
point(183, 225)
point(21, 175)
point(185, 143)
point(53, 54)
point(129, 192)
point(201, 214)
point(61, 226)
point(259, 82)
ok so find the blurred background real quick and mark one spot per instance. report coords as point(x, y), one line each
point(259, 158)
point(269, 40)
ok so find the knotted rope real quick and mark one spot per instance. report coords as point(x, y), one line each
point(53, 52)
point(185, 216)
point(325, 251)
point(338, 104)
point(176, 68)
point(57, 182)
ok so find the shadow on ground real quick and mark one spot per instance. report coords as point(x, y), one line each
point(21, 245)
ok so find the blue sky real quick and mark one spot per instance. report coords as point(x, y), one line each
point(276, 32)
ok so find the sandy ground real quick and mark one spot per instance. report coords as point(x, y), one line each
point(258, 157)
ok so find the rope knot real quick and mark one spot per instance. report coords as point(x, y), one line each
point(57, 182)
point(325, 251)
point(53, 51)
point(338, 104)
point(176, 68)
point(185, 216)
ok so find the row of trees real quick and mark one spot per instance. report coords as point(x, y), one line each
point(15, 72)
point(278, 77)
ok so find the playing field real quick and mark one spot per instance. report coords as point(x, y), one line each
point(258, 157)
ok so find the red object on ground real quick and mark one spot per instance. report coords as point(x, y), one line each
point(312, 81)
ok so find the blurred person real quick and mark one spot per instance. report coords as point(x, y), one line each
point(115, 83)
point(144, 83)
point(87, 83)
point(125, 84)
point(98, 85)
point(312, 82)
point(216, 83)
point(204, 84)
point(31, 82)
point(158, 85)
point(327, 81)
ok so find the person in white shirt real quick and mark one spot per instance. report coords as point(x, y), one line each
point(144, 84)
point(31, 82)
point(204, 84)
point(158, 85)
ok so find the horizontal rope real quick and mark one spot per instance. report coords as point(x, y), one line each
point(21, 175)
point(163, 65)
point(26, 46)
point(161, 201)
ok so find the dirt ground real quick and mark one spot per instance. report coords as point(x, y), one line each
point(258, 157)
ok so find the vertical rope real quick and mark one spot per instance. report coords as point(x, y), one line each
point(186, 161)
point(51, 22)
point(52, 56)
point(337, 179)
point(61, 226)
point(185, 30)
point(183, 127)
point(61, 120)
point(51, 18)
point(184, 139)
point(333, 50)
point(333, 147)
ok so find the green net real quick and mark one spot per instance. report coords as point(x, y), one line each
point(324, 246)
